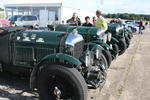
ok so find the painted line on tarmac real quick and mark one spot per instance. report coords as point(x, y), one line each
point(123, 83)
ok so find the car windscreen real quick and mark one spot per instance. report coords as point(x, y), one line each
point(14, 18)
point(29, 18)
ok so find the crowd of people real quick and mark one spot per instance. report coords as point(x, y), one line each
point(100, 22)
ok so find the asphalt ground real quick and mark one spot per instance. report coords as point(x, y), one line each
point(128, 77)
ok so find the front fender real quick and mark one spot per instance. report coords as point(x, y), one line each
point(61, 56)
point(113, 39)
point(94, 45)
point(105, 45)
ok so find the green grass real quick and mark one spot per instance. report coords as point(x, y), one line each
point(1, 15)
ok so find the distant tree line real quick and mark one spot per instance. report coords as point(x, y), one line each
point(129, 16)
point(1, 9)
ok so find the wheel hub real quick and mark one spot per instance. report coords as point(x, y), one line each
point(57, 92)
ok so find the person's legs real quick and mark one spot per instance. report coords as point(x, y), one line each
point(140, 30)
point(100, 31)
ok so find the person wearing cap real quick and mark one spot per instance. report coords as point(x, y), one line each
point(87, 22)
point(101, 23)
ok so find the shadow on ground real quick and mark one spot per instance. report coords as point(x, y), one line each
point(13, 87)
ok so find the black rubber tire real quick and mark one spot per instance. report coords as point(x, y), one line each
point(108, 57)
point(70, 76)
point(103, 66)
point(130, 35)
point(122, 46)
point(127, 41)
point(104, 72)
point(116, 49)
point(105, 61)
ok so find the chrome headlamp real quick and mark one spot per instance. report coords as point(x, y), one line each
point(73, 38)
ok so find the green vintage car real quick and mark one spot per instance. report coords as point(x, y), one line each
point(109, 43)
point(61, 65)
point(122, 34)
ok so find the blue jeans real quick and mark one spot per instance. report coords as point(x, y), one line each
point(140, 30)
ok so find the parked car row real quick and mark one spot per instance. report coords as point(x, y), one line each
point(24, 20)
point(65, 62)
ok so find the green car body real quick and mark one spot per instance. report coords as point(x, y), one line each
point(30, 50)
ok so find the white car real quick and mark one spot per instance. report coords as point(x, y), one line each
point(132, 26)
point(27, 20)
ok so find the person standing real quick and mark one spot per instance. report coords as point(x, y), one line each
point(94, 20)
point(87, 22)
point(75, 21)
point(140, 27)
point(101, 23)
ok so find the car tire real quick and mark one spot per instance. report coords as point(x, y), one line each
point(127, 41)
point(116, 49)
point(122, 46)
point(130, 35)
point(104, 72)
point(67, 80)
point(103, 66)
point(108, 57)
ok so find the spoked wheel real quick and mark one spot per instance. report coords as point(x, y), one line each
point(108, 57)
point(61, 83)
point(102, 64)
point(115, 51)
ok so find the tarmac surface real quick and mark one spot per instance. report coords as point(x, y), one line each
point(128, 77)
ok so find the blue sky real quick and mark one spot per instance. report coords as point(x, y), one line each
point(127, 6)
point(112, 6)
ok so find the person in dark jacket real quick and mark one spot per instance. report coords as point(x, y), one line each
point(140, 27)
point(75, 21)
point(87, 22)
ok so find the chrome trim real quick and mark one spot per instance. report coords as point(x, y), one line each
point(118, 29)
point(72, 39)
